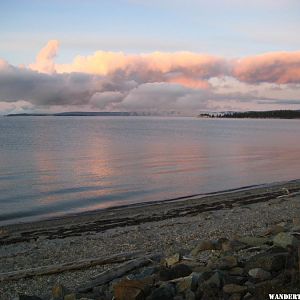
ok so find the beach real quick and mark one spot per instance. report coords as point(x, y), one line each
point(162, 227)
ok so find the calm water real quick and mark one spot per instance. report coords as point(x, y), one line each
point(52, 166)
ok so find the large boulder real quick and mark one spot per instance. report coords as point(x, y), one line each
point(259, 274)
point(284, 239)
point(267, 261)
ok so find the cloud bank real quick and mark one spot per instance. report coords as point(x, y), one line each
point(181, 81)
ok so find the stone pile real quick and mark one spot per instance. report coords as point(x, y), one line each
point(245, 268)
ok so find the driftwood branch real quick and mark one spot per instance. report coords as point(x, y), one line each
point(68, 266)
point(116, 272)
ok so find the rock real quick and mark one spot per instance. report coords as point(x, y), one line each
point(234, 289)
point(253, 241)
point(146, 272)
point(164, 292)
point(214, 280)
point(71, 296)
point(171, 260)
point(201, 269)
point(275, 230)
point(223, 263)
point(284, 239)
point(205, 245)
point(237, 271)
point(184, 284)
point(235, 245)
point(259, 274)
point(177, 271)
point(187, 283)
point(130, 290)
point(195, 280)
point(58, 291)
point(267, 261)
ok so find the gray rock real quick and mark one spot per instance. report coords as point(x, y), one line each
point(171, 260)
point(184, 284)
point(267, 261)
point(146, 272)
point(259, 274)
point(205, 245)
point(284, 239)
point(223, 263)
point(275, 230)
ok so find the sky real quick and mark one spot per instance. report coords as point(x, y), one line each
point(159, 56)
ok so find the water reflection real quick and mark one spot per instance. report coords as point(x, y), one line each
point(54, 166)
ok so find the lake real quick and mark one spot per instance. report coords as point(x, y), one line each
point(53, 166)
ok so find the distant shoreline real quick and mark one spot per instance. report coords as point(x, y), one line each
point(271, 114)
point(85, 114)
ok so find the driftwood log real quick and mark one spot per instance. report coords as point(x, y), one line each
point(116, 272)
point(68, 266)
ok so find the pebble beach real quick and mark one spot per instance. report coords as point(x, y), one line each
point(163, 228)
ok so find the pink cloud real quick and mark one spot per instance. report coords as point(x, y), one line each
point(188, 69)
point(274, 67)
point(45, 59)
point(159, 80)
